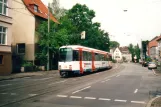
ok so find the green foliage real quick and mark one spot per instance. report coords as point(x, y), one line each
point(124, 59)
point(144, 47)
point(114, 61)
point(27, 64)
point(148, 59)
point(72, 23)
point(114, 44)
point(81, 19)
point(134, 50)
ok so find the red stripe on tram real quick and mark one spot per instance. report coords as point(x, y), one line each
point(80, 57)
point(93, 59)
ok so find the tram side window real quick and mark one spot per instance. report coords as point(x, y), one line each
point(75, 55)
point(96, 57)
point(110, 58)
point(89, 56)
point(106, 57)
point(102, 58)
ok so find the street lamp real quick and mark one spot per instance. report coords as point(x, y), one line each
point(49, 1)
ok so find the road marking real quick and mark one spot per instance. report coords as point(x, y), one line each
point(75, 97)
point(62, 96)
point(31, 95)
point(3, 93)
point(13, 94)
point(81, 89)
point(26, 77)
point(57, 82)
point(105, 80)
point(120, 100)
point(105, 99)
point(43, 79)
point(136, 91)
point(139, 102)
point(5, 85)
point(117, 75)
point(90, 98)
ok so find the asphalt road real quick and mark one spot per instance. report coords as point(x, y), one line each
point(125, 85)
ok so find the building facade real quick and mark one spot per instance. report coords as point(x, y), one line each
point(5, 37)
point(25, 22)
point(117, 55)
point(153, 48)
point(159, 48)
point(126, 55)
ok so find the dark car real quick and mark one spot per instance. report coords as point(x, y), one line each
point(144, 64)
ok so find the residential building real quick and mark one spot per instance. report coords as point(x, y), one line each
point(112, 52)
point(5, 37)
point(117, 55)
point(126, 55)
point(153, 48)
point(159, 48)
point(27, 14)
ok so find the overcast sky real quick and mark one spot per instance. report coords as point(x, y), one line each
point(141, 21)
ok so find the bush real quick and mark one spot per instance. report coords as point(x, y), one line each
point(114, 61)
point(27, 64)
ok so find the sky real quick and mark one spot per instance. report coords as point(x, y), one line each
point(141, 21)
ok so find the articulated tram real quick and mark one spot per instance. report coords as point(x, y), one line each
point(75, 59)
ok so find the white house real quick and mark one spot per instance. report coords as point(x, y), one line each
point(121, 53)
point(117, 55)
point(126, 54)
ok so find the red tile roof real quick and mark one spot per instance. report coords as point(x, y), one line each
point(42, 9)
point(124, 49)
point(159, 38)
point(152, 43)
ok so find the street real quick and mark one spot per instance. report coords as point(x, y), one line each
point(125, 85)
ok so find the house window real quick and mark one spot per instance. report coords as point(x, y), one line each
point(21, 48)
point(1, 59)
point(3, 34)
point(35, 8)
point(3, 7)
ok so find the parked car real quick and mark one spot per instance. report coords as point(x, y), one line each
point(144, 64)
point(152, 65)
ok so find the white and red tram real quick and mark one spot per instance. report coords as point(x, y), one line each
point(75, 59)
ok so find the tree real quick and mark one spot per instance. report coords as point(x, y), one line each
point(137, 52)
point(134, 50)
point(131, 49)
point(144, 48)
point(57, 37)
point(81, 17)
point(56, 10)
point(114, 44)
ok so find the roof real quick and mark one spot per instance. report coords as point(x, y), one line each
point(153, 42)
point(76, 47)
point(159, 38)
point(42, 9)
point(124, 49)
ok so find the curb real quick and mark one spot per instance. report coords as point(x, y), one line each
point(26, 75)
point(150, 102)
point(10, 78)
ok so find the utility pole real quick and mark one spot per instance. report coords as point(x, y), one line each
point(48, 37)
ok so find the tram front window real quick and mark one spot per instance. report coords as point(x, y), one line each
point(65, 54)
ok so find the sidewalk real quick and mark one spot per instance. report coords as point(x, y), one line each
point(156, 102)
point(28, 74)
